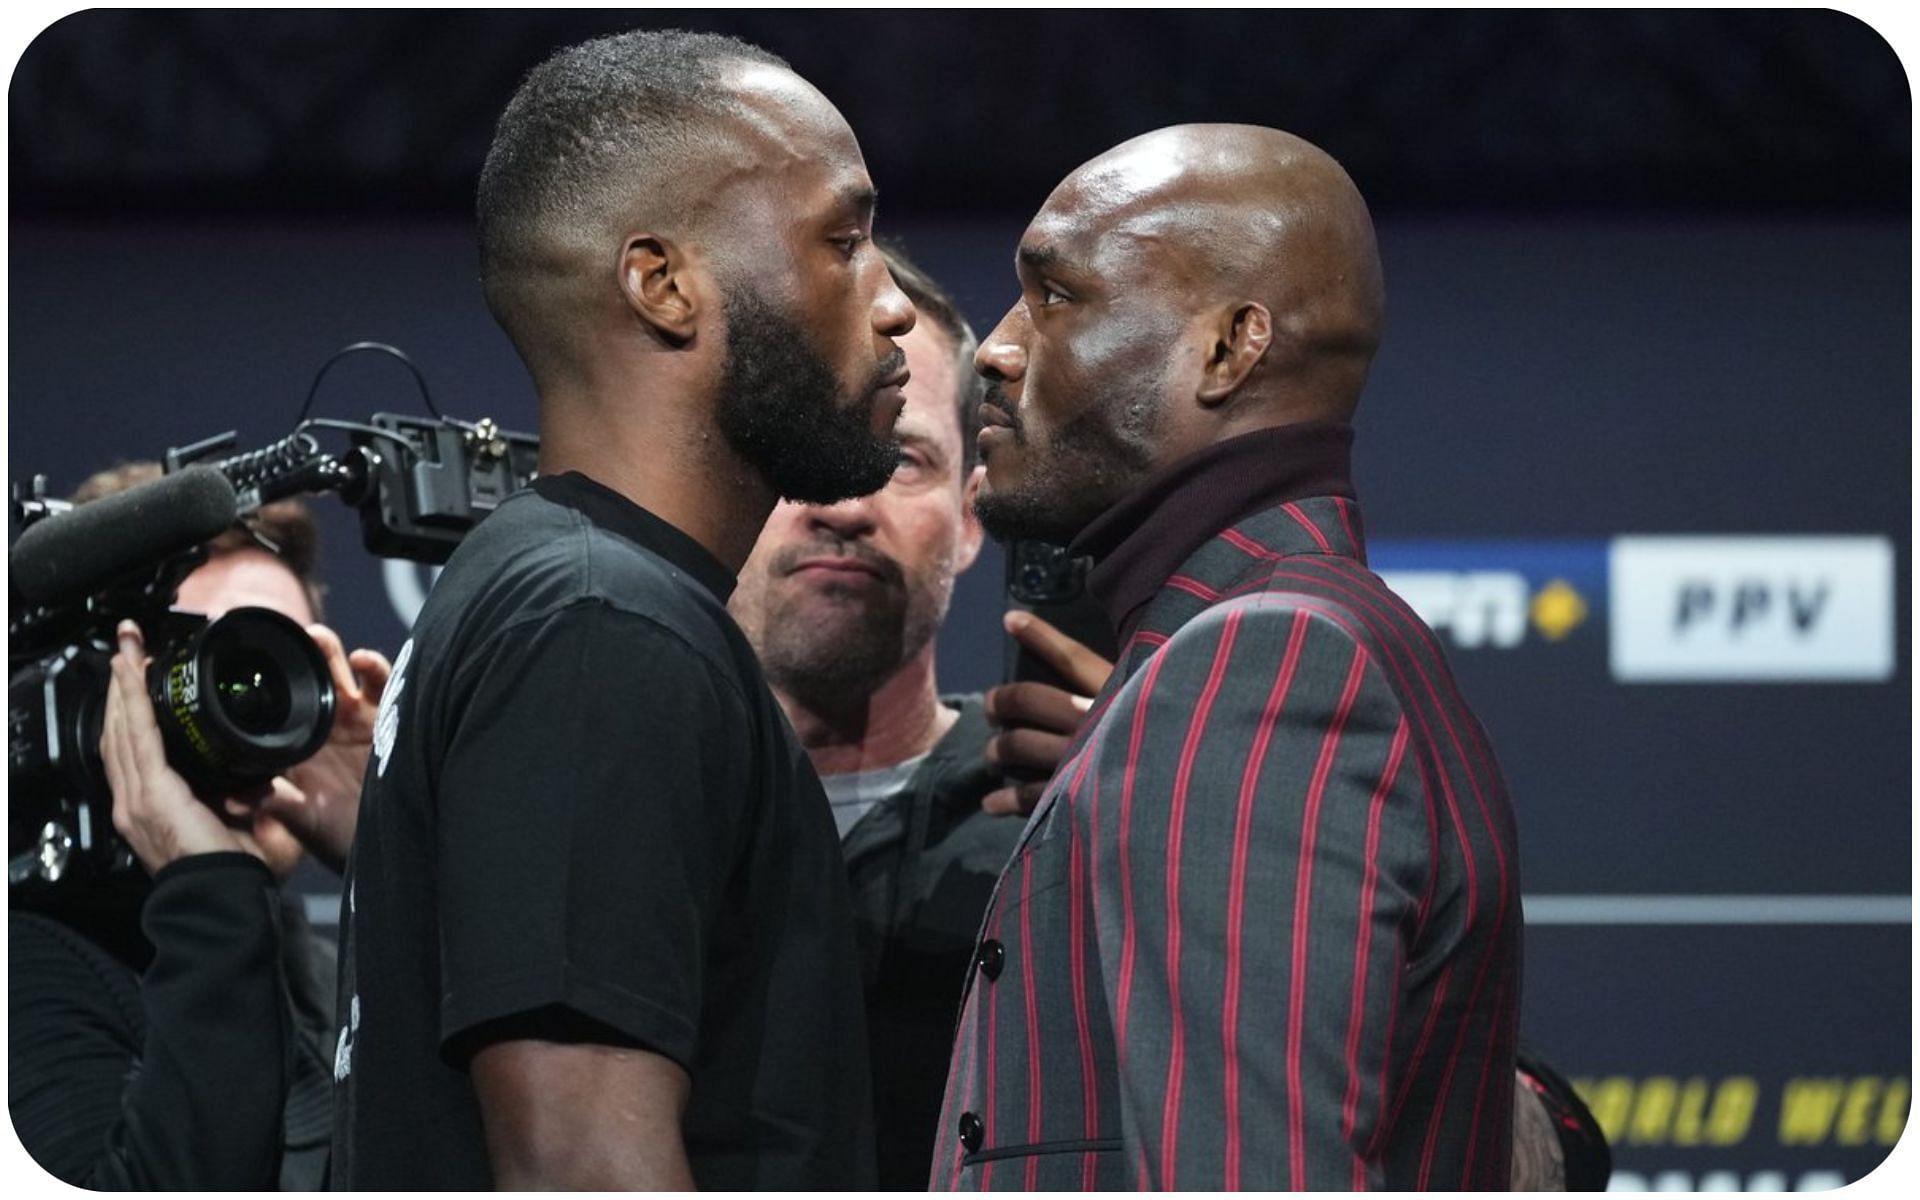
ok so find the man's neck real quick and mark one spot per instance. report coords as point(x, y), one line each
point(689, 478)
point(901, 719)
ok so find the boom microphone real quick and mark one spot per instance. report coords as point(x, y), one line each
point(67, 557)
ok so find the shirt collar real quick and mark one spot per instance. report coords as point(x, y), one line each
point(1141, 541)
point(616, 514)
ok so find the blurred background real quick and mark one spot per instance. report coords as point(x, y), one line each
point(1638, 444)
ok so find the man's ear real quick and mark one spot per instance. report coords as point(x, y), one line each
point(660, 285)
point(971, 535)
point(1237, 341)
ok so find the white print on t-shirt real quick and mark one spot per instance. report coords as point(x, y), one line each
point(386, 723)
point(343, 1053)
point(343, 1047)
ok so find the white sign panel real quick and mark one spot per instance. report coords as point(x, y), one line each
point(1751, 609)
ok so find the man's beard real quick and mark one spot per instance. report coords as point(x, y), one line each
point(784, 412)
point(1088, 466)
point(830, 647)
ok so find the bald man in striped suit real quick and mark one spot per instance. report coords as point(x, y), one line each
point(1263, 928)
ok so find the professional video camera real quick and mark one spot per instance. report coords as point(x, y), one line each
point(238, 699)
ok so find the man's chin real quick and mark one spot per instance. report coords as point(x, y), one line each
point(809, 482)
point(1014, 514)
point(832, 611)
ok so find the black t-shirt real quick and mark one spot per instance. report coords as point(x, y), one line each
point(586, 816)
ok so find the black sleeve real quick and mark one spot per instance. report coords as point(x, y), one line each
point(585, 823)
point(195, 1103)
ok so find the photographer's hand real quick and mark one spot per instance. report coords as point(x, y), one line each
point(318, 801)
point(1037, 721)
point(153, 808)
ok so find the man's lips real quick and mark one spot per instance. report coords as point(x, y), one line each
point(993, 414)
point(837, 565)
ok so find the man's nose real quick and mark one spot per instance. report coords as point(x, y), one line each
point(848, 518)
point(1000, 357)
point(893, 312)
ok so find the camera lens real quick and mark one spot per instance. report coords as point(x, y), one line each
point(251, 691)
point(241, 700)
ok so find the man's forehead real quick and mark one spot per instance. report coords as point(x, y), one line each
point(1144, 198)
point(1071, 237)
point(789, 115)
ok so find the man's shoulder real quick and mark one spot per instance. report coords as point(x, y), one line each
point(1266, 614)
point(1336, 596)
point(537, 562)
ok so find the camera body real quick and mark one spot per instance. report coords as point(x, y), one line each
point(238, 700)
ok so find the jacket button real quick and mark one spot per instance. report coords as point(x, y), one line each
point(990, 959)
point(972, 1132)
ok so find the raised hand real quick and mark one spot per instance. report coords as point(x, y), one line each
point(153, 808)
point(318, 801)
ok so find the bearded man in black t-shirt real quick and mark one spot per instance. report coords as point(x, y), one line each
point(596, 931)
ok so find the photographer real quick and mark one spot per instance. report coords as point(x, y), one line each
point(172, 1027)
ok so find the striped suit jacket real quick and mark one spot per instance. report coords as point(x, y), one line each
point(1263, 929)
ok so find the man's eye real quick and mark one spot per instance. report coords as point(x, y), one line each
point(906, 466)
point(1050, 297)
point(850, 244)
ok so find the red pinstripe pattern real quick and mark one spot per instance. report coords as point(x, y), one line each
point(1419, 1048)
point(1319, 539)
point(1125, 987)
point(1241, 541)
point(1363, 943)
point(1472, 767)
point(1366, 584)
point(970, 1038)
point(1142, 637)
point(1183, 777)
point(1101, 703)
point(993, 1041)
point(1432, 775)
point(1076, 929)
point(1368, 608)
point(1093, 886)
point(1430, 1094)
point(1376, 614)
point(1033, 1021)
point(1344, 507)
point(961, 1047)
point(1193, 587)
point(1381, 1124)
point(1480, 1092)
point(1302, 904)
point(1237, 894)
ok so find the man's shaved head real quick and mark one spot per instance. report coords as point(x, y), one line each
point(613, 134)
point(1246, 213)
point(1187, 286)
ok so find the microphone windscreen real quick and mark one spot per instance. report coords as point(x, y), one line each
point(69, 556)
